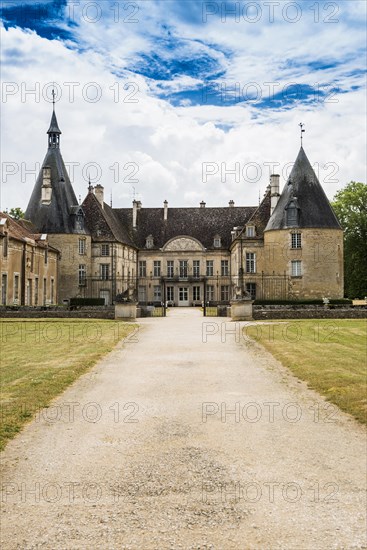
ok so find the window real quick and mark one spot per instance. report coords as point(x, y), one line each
point(224, 268)
point(46, 255)
point(217, 241)
point(5, 246)
point(36, 291)
point(250, 231)
point(32, 259)
point(209, 268)
point(142, 293)
point(196, 293)
point(142, 269)
point(81, 246)
point(196, 268)
point(4, 288)
point(296, 240)
point(44, 291)
point(170, 294)
point(183, 268)
point(170, 268)
point(296, 268)
point(52, 290)
point(82, 275)
point(29, 292)
point(251, 288)
point(105, 271)
point(250, 262)
point(157, 268)
point(16, 288)
point(224, 293)
point(210, 293)
point(292, 214)
point(157, 293)
point(105, 250)
point(149, 243)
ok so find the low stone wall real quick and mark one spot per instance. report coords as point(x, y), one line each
point(309, 312)
point(92, 312)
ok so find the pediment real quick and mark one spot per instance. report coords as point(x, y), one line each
point(184, 244)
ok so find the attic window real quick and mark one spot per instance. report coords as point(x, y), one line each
point(217, 241)
point(250, 231)
point(292, 214)
point(149, 243)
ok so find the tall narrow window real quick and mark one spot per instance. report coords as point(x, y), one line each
point(82, 275)
point(170, 269)
point(224, 293)
point(183, 268)
point(209, 268)
point(16, 288)
point(157, 268)
point(52, 290)
point(157, 293)
point(296, 240)
point(82, 246)
point(196, 268)
point(250, 262)
point(170, 293)
point(196, 293)
point(296, 268)
point(36, 291)
point(44, 291)
point(46, 255)
point(210, 293)
point(104, 271)
point(142, 268)
point(224, 264)
point(5, 246)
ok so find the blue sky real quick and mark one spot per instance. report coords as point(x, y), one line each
point(204, 88)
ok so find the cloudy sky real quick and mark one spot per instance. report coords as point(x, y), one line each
point(184, 100)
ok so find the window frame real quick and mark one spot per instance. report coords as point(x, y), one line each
point(296, 268)
point(156, 268)
point(210, 268)
point(142, 268)
point(250, 262)
point(105, 247)
point(296, 241)
point(224, 268)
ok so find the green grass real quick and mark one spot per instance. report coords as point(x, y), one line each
point(330, 355)
point(40, 358)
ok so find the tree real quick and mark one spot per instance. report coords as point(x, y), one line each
point(16, 213)
point(350, 206)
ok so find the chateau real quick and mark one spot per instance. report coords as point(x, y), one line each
point(289, 247)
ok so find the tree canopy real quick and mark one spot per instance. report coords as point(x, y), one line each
point(16, 213)
point(350, 206)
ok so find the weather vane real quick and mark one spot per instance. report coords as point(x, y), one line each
point(53, 97)
point(301, 125)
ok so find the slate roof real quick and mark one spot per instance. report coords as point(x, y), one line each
point(54, 127)
point(202, 224)
point(57, 217)
point(259, 218)
point(102, 223)
point(23, 230)
point(314, 206)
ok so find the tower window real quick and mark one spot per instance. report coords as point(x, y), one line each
point(81, 246)
point(296, 268)
point(292, 214)
point(296, 240)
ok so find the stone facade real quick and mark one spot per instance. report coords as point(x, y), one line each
point(28, 265)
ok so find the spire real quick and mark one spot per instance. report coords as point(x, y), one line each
point(54, 130)
point(301, 125)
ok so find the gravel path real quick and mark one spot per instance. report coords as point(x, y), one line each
point(174, 442)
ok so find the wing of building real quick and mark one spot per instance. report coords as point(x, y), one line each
point(290, 246)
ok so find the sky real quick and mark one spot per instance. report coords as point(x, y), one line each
point(182, 100)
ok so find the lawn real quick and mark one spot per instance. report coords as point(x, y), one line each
point(330, 355)
point(40, 358)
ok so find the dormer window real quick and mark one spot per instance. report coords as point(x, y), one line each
point(292, 214)
point(217, 241)
point(250, 231)
point(149, 243)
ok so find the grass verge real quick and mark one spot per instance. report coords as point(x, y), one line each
point(40, 358)
point(330, 355)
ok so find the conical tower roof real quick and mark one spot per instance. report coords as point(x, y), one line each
point(303, 189)
point(54, 127)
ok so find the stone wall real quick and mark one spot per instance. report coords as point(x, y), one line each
point(59, 313)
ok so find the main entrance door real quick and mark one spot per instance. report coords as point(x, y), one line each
point(183, 296)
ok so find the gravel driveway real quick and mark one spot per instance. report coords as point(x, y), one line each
point(187, 436)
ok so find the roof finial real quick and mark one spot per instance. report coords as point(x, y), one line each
point(90, 186)
point(111, 199)
point(301, 125)
point(53, 98)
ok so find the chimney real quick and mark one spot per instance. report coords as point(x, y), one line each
point(231, 203)
point(165, 204)
point(138, 205)
point(135, 213)
point(98, 191)
point(202, 204)
point(46, 192)
point(274, 192)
